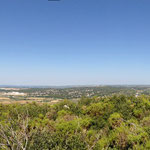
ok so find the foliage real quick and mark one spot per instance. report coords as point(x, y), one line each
point(97, 123)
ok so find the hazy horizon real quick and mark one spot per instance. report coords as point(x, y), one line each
point(84, 85)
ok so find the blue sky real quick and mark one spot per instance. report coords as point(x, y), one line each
point(74, 42)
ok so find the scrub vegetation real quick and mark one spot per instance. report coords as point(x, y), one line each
point(97, 123)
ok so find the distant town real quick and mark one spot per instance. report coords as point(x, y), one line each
point(54, 95)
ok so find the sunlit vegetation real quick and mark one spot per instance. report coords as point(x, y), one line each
point(98, 123)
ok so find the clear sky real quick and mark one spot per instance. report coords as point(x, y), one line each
point(74, 42)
